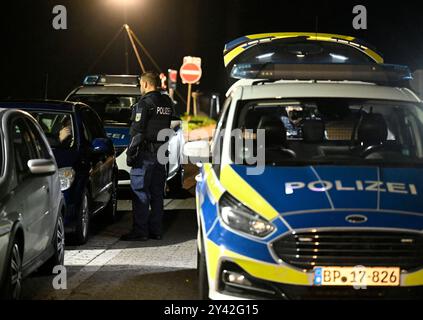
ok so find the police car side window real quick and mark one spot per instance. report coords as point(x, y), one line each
point(92, 126)
point(23, 148)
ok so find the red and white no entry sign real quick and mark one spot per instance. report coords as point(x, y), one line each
point(190, 73)
point(173, 75)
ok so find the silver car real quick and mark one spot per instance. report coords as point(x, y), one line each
point(31, 203)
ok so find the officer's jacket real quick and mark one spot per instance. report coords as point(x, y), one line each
point(152, 114)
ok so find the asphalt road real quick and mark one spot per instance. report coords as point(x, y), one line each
point(107, 268)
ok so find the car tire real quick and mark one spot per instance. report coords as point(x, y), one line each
point(203, 281)
point(83, 223)
point(176, 184)
point(58, 257)
point(110, 210)
point(12, 286)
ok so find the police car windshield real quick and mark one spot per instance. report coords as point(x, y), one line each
point(112, 109)
point(329, 131)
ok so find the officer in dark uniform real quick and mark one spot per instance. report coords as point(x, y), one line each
point(152, 114)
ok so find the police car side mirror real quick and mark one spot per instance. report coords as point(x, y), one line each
point(101, 146)
point(176, 125)
point(197, 151)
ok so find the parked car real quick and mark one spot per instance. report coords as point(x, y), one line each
point(32, 207)
point(335, 208)
point(112, 97)
point(86, 159)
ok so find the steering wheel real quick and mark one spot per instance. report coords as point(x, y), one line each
point(286, 152)
point(380, 148)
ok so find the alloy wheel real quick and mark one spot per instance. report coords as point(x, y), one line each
point(60, 238)
point(16, 272)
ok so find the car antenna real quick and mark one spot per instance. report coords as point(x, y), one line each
point(46, 87)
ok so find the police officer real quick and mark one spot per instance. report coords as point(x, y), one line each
point(152, 114)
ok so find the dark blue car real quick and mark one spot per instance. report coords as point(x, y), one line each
point(85, 157)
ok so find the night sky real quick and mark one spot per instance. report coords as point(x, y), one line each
point(171, 29)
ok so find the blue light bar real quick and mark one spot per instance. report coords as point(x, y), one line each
point(101, 80)
point(384, 74)
point(91, 80)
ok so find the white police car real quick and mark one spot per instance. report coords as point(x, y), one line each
point(330, 203)
point(113, 96)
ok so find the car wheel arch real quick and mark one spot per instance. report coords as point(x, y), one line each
point(17, 234)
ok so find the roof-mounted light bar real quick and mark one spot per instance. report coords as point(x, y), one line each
point(234, 48)
point(382, 74)
point(99, 80)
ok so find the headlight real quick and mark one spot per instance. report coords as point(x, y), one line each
point(239, 217)
point(67, 176)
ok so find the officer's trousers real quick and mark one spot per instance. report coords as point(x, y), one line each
point(147, 183)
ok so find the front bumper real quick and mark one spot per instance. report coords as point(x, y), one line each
point(281, 281)
point(124, 170)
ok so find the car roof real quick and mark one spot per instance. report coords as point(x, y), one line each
point(236, 47)
point(107, 89)
point(320, 89)
point(39, 104)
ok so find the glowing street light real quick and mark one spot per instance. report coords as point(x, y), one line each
point(124, 4)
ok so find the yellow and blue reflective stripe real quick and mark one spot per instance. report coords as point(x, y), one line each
point(238, 46)
point(259, 269)
point(246, 194)
point(212, 182)
point(413, 279)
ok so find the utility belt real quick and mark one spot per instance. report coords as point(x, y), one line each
point(152, 147)
point(135, 151)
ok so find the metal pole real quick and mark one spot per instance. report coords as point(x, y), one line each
point(128, 31)
point(189, 99)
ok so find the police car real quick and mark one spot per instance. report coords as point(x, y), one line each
point(112, 96)
point(313, 184)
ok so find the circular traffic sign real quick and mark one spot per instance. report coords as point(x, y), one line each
point(173, 75)
point(190, 73)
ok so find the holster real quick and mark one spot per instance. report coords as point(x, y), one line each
point(137, 146)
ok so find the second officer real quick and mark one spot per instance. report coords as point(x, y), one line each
point(152, 114)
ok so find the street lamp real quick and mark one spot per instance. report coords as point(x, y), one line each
point(124, 4)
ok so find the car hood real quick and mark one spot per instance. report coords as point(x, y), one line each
point(326, 196)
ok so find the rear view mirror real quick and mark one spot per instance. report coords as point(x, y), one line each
point(42, 166)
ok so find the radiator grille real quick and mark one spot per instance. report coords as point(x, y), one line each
point(307, 250)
